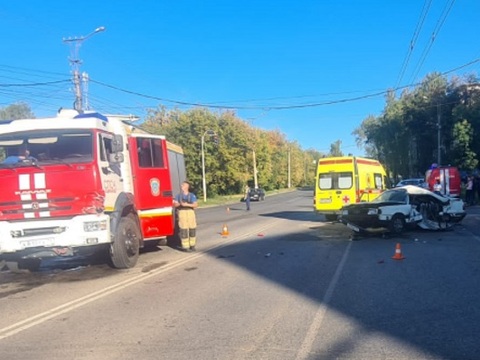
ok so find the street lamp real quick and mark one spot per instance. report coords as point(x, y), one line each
point(209, 133)
point(75, 64)
point(255, 172)
point(289, 175)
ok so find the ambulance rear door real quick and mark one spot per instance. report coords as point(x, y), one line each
point(335, 186)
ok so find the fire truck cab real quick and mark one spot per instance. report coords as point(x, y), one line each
point(80, 181)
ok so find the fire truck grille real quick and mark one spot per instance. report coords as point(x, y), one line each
point(35, 206)
point(38, 231)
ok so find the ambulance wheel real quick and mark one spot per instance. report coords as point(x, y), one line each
point(397, 225)
point(126, 245)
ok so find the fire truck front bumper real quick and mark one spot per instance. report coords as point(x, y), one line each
point(46, 238)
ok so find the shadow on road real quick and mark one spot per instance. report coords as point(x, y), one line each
point(297, 215)
point(401, 300)
point(417, 301)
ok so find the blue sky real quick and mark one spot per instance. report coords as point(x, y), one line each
point(277, 62)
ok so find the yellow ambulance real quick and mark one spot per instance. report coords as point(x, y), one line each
point(346, 180)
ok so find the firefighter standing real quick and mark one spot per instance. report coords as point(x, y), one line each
point(186, 202)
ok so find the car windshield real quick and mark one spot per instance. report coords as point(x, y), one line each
point(46, 147)
point(410, 182)
point(397, 196)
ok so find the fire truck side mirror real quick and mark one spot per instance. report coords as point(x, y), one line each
point(116, 158)
point(117, 143)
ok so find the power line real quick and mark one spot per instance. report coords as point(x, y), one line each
point(436, 31)
point(462, 66)
point(185, 103)
point(28, 71)
point(269, 107)
point(233, 107)
point(35, 84)
point(413, 41)
point(290, 97)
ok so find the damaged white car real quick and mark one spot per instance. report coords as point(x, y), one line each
point(402, 207)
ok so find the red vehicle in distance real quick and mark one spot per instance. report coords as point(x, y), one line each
point(449, 177)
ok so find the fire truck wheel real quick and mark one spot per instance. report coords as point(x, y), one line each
point(125, 248)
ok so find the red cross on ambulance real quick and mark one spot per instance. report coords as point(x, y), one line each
point(346, 199)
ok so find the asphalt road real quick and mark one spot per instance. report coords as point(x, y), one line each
point(284, 284)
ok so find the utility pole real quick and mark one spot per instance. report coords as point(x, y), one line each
point(86, 106)
point(289, 177)
point(305, 172)
point(204, 182)
point(439, 130)
point(255, 179)
point(75, 63)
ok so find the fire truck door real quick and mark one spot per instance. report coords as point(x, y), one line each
point(152, 185)
point(110, 172)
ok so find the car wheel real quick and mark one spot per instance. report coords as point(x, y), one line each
point(397, 225)
point(445, 223)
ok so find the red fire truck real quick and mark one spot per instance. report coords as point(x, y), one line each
point(81, 181)
point(449, 178)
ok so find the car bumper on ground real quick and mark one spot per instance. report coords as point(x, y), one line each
point(375, 226)
point(457, 217)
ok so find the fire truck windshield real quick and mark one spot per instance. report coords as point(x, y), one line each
point(46, 147)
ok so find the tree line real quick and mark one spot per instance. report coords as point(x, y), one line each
point(229, 164)
point(404, 137)
point(241, 148)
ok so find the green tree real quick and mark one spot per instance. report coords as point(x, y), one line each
point(311, 159)
point(464, 157)
point(229, 166)
point(466, 97)
point(404, 136)
point(336, 148)
point(16, 111)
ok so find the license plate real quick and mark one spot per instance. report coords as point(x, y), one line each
point(37, 242)
point(353, 227)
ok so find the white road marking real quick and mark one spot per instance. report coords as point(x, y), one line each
point(305, 348)
point(77, 303)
